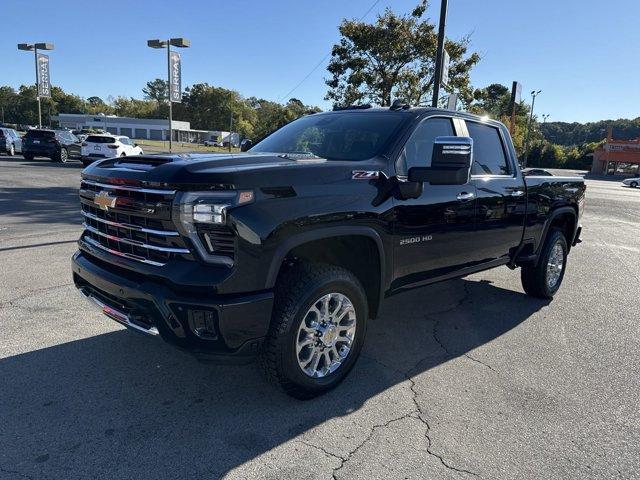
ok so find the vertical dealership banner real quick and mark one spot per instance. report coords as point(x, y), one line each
point(175, 77)
point(44, 80)
point(445, 68)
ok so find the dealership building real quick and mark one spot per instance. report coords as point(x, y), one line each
point(617, 157)
point(142, 128)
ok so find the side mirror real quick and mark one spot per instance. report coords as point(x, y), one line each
point(450, 163)
point(246, 145)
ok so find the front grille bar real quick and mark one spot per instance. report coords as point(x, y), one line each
point(129, 256)
point(135, 242)
point(129, 188)
point(166, 233)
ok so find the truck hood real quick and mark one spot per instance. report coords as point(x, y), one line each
point(202, 171)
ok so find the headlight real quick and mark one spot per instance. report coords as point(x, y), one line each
point(200, 212)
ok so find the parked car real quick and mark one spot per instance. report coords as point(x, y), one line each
point(212, 143)
point(97, 147)
point(632, 182)
point(57, 145)
point(536, 172)
point(10, 141)
point(286, 252)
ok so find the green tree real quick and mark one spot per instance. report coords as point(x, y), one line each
point(394, 57)
point(157, 90)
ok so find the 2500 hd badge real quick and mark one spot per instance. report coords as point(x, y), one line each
point(277, 253)
point(424, 238)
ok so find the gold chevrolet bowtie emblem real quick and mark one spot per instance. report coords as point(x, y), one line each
point(104, 200)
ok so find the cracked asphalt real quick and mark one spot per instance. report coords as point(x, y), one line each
point(464, 379)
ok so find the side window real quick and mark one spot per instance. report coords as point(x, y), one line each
point(488, 152)
point(418, 150)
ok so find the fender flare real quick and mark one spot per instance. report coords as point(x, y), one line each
point(547, 224)
point(322, 233)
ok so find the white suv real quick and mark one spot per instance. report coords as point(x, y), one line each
point(97, 147)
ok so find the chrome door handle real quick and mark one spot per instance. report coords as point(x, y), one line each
point(465, 197)
point(517, 193)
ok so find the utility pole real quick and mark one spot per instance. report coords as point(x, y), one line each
point(439, 53)
point(515, 99)
point(534, 94)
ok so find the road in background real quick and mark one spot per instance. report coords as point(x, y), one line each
point(464, 379)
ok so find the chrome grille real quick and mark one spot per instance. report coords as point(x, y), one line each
point(137, 227)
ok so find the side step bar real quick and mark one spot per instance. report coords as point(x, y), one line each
point(120, 317)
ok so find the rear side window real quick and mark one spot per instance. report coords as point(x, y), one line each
point(488, 152)
point(2, 133)
point(97, 139)
point(418, 150)
point(40, 134)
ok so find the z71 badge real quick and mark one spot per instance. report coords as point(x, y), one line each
point(365, 174)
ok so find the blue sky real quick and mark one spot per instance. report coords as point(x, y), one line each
point(582, 54)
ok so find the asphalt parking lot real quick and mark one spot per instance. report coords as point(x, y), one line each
point(469, 378)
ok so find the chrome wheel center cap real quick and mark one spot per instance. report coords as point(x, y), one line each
point(328, 335)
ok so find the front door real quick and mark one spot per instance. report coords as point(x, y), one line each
point(433, 234)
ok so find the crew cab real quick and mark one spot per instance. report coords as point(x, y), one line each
point(286, 251)
point(98, 147)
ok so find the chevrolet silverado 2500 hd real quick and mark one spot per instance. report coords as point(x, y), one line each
point(286, 251)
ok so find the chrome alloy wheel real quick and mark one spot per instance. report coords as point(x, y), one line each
point(555, 265)
point(325, 335)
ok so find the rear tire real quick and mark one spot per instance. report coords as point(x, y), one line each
point(303, 354)
point(63, 156)
point(28, 156)
point(12, 150)
point(542, 280)
point(633, 184)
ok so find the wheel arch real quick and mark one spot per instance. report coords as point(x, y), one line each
point(565, 218)
point(348, 247)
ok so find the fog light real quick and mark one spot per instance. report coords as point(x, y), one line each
point(202, 323)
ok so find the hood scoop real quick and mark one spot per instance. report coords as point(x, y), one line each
point(139, 163)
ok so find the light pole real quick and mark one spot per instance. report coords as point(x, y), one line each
point(176, 42)
point(35, 47)
point(230, 128)
point(534, 94)
point(544, 117)
point(439, 54)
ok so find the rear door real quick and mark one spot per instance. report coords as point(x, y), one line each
point(501, 192)
point(433, 234)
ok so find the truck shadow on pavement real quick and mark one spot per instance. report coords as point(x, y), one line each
point(45, 205)
point(118, 405)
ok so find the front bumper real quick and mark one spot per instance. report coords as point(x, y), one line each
point(240, 322)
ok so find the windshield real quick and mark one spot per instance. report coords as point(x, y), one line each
point(336, 136)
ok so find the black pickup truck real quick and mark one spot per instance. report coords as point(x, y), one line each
point(286, 251)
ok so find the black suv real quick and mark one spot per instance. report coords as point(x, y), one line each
point(57, 145)
point(286, 251)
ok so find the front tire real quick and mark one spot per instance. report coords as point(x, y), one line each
point(12, 150)
point(542, 280)
point(633, 184)
point(28, 156)
point(317, 329)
